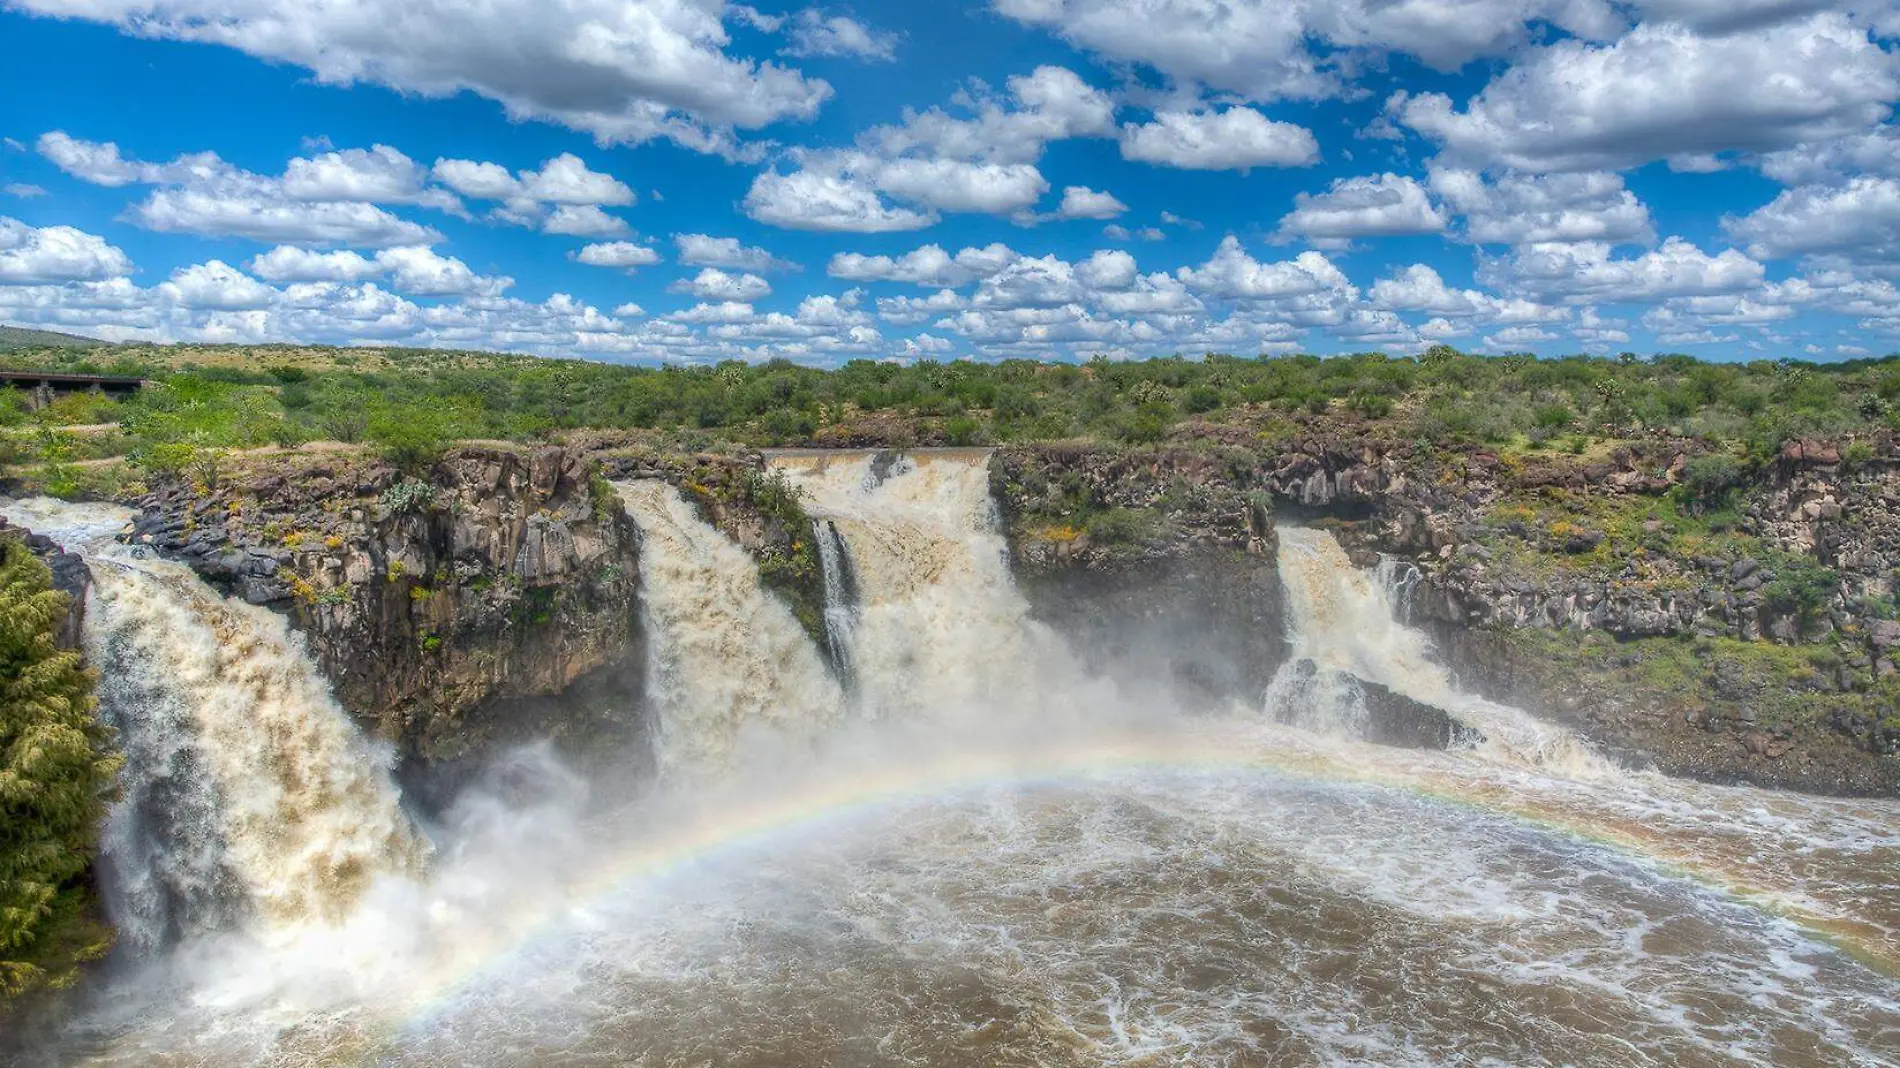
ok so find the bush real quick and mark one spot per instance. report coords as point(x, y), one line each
point(412, 438)
point(55, 769)
point(963, 430)
point(1708, 481)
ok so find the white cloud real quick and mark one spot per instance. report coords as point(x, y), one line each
point(703, 250)
point(621, 70)
point(208, 213)
point(1860, 217)
point(217, 284)
point(1081, 202)
point(1524, 209)
point(1371, 206)
point(422, 272)
point(379, 175)
point(23, 190)
point(814, 33)
point(1049, 104)
point(1665, 91)
point(35, 255)
point(910, 311)
point(809, 200)
point(415, 270)
point(926, 266)
point(1234, 274)
point(566, 179)
point(583, 220)
point(310, 205)
point(936, 162)
point(478, 180)
point(712, 283)
point(1265, 49)
point(288, 263)
point(1586, 272)
point(622, 254)
point(1234, 139)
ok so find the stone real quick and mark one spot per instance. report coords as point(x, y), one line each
point(1743, 568)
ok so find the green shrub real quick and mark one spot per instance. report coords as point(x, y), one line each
point(55, 769)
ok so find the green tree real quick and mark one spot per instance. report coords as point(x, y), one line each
point(55, 769)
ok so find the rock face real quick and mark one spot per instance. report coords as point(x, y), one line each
point(1158, 567)
point(447, 611)
point(1796, 584)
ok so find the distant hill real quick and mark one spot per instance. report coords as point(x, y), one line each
point(20, 337)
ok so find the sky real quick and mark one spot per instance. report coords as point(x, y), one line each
point(690, 181)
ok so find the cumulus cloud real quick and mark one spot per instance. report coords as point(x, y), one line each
point(621, 70)
point(926, 266)
point(415, 270)
point(712, 283)
point(1081, 202)
point(814, 33)
point(936, 162)
point(1371, 206)
point(1666, 91)
point(1587, 272)
point(216, 284)
point(584, 220)
point(624, 255)
point(1233, 274)
point(1265, 49)
point(33, 255)
point(1525, 209)
point(1860, 218)
point(703, 250)
point(318, 201)
point(1232, 139)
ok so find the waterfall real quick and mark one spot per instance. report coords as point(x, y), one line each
point(725, 656)
point(247, 789)
point(1344, 626)
point(841, 598)
point(940, 626)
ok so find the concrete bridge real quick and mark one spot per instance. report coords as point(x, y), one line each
point(41, 387)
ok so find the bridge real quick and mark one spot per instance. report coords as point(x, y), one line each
point(42, 386)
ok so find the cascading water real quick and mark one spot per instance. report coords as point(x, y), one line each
point(1172, 890)
point(941, 628)
point(1347, 627)
point(726, 657)
point(841, 598)
point(247, 790)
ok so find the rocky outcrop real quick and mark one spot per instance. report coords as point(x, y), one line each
point(439, 607)
point(1157, 566)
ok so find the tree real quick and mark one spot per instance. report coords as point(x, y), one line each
point(55, 769)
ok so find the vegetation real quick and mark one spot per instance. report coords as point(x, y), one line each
point(411, 403)
point(54, 773)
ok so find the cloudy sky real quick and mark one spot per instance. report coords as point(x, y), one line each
point(693, 180)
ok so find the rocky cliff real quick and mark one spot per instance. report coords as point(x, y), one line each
point(497, 593)
point(1156, 565)
point(1735, 626)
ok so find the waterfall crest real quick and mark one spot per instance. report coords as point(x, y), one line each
point(941, 626)
point(725, 655)
point(1348, 627)
point(247, 788)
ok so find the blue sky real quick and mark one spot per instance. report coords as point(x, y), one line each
point(692, 180)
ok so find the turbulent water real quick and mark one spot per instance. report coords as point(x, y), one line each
point(725, 657)
point(247, 789)
point(986, 859)
point(1349, 624)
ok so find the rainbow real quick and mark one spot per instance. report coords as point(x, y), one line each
point(743, 824)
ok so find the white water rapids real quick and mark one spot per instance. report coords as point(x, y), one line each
point(985, 858)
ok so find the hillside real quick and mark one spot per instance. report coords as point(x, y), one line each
point(21, 337)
